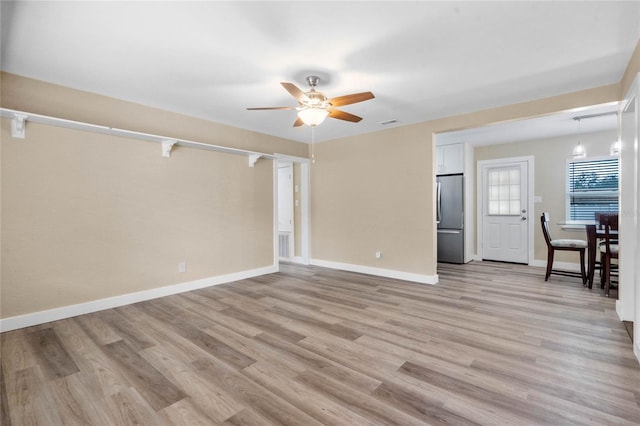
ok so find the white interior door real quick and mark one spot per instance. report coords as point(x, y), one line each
point(285, 210)
point(285, 197)
point(505, 227)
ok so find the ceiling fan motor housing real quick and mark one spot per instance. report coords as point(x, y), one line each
point(313, 80)
point(316, 99)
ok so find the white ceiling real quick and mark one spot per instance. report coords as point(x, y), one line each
point(422, 60)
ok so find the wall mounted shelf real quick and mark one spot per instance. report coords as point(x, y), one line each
point(19, 120)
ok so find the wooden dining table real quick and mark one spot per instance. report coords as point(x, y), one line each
point(592, 248)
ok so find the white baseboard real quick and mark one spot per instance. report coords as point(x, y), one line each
point(567, 266)
point(35, 318)
point(388, 273)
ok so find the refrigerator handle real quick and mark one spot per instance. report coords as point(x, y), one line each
point(438, 202)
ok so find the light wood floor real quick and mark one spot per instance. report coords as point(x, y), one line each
point(491, 344)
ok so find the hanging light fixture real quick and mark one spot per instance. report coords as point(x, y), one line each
point(614, 151)
point(578, 150)
point(313, 142)
point(312, 116)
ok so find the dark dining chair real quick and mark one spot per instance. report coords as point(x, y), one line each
point(600, 217)
point(592, 251)
point(562, 245)
point(608, 250)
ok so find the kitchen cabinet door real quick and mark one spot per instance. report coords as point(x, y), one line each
point(450, 159)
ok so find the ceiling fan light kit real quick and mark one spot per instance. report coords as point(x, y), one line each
point(313, 116)
point(314, 107)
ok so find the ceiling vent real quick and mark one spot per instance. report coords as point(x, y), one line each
point(385, 123)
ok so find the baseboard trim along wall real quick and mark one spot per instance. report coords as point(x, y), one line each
point(27, 320)
point(381, 272)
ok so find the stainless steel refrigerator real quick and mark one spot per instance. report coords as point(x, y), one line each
point(450, 218)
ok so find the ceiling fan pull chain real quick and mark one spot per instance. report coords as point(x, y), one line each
point(313, 140)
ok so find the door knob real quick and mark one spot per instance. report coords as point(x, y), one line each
point(524, 218)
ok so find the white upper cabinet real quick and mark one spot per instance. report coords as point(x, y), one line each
point(450, 159)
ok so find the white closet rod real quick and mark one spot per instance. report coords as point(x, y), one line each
point(95, 128)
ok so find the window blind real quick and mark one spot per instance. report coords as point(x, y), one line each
point(592, 187)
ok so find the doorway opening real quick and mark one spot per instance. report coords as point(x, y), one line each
point(286, 214)
point(505, 226)
point(291, 209)
point(519, 138)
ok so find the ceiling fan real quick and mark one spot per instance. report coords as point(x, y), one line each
point(314, 106)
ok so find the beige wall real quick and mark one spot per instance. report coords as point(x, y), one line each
point(39, 97)
point(88, 216)
point(371, 193)
point(550, 156)
point(633, 68)
point(376, 191)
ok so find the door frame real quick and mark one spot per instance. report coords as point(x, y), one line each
point(305, 212)
point(292, 234)
point(530, 160)
point(628, 303)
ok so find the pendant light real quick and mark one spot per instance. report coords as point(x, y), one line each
point(578, 150)
point(614, 151)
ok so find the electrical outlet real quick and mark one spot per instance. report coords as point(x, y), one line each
point(182, 266)
point(378, 254)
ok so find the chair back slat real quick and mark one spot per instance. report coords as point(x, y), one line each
point(611, 218)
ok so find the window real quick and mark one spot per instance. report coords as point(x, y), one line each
point(504, 191)
point(592, 186)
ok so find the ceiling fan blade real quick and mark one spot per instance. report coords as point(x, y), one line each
point(351, 99)
point(298, 122)
point(295, 92)
point(265, 108)
point(341, 115)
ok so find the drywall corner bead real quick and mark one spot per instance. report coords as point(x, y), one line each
point(18, 125)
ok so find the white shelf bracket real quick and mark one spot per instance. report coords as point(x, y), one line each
point(18, 125)
point(253, 158)
point(167, 146)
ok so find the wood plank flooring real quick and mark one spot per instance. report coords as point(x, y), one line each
point(491, 344)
